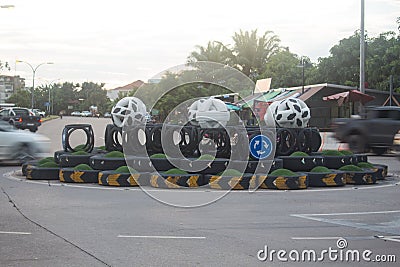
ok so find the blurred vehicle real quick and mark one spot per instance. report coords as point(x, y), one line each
point(76, 113)
point(38, 112)
point(21, 118)
point(21, 146)
point(86, 113)
point(107, 115)
point(376, 130)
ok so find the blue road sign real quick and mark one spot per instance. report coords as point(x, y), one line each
point(260, 146)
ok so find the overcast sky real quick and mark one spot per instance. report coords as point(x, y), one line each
point(120, 41)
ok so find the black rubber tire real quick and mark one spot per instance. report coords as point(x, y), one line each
point(26, 165)
point(216, 166)
point(99, 162)
point(229, 182)
point(331, 179)
point(111, 138)
point(110, 178)
point(297, 182)
point(357, 143)
point(286, 142)
point(301, 164)
point(336, 162)
point(176, 181)
point(382, 171)
point(365, 177)
point(379, 151)
point(69, 160)
point(69, 175)
point(58, 154)
point(33, 130)
point(36, 173)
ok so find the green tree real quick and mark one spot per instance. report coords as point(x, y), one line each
point(252, 52)
point(4, 66)
point(21, 98)
point(214, 51)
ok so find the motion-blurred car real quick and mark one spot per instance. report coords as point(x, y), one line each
point(86, 113)
point(20, 145)
point(76, 113)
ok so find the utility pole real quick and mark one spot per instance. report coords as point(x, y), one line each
point(362, 50)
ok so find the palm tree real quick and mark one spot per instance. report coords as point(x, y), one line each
point(214, 51)
point(252, 52)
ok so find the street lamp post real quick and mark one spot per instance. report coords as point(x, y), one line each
point(34, 69)
point(50, 106)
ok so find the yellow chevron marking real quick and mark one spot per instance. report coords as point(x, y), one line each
point(253, 181)
point(367, 178)
point(280, 183)
point(302, 182)
point(192, 181)
point(29, 172)
point(234, 183)
point(112, 179)
point(214, 182)
point(132, 180)
point(61, 176)
point(99, 178)
point(154, 181)
point(76, 176)
point(329, 179)
point(261, 180)
point(172, 181)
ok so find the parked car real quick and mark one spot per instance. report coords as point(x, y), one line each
point(76, 113)
point(376, 130)
point(86, 113)
point(21, 118)
point(107, 115)
point(38, 112)
point(21, 146)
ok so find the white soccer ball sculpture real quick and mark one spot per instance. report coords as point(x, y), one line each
point(288, 113)
point(209, 113)
point(129, 110)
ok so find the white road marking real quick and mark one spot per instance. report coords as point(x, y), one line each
point(389, 238)
point(317, 238)
point(162, 237)
point(347, 213)
point(15, 233)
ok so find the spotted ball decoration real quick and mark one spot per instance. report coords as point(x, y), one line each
point(128, 110)
point(209, 113)
point(288, 113)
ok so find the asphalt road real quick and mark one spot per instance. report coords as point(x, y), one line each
point(50, 224)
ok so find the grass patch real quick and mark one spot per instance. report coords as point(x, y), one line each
point(231, 172)
point(114, 154)
point(347, 152)
point(158, 156)
point(175, 171)
point(299, 154)
point(79, 153)
point(351, 168)
point(206, 157)
point(365, 165)
point(80, 147)
point(283, 172)
point(44, 160)
point(320, 169)
point(83, 167)
point(125, 169)
point(48, 164)
point(332, 153)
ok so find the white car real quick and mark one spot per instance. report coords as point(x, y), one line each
point(20, 145)
point(86, 113)
point(76, 113)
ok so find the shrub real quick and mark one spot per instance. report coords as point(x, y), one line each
point(320, 169)
point(175, 171)
point(283, 172)
point(299, 154)
point(48, 164)
point(83, 167)
point(351, 168)
point(80, 147)
point(332, 153)
point(114, 154)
